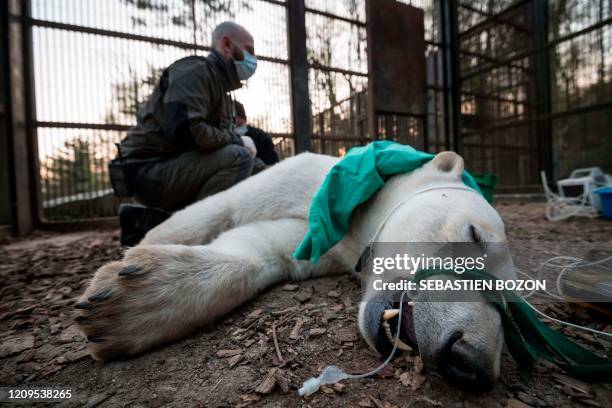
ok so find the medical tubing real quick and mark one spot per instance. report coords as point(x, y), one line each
point(560, 208)
point(571, 262)
point(332, 374)
point(576, 326)
point(404, 201)
point(574, 262)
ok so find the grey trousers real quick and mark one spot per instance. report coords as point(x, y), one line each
point(175, 183)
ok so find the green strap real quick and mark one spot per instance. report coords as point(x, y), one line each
point(527, 338)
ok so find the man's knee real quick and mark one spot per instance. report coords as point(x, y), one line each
point(236, 154)
point(238, 158)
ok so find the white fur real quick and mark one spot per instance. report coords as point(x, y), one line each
point(216, 254)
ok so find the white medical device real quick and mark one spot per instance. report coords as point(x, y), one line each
point(584, 181)
point(576, 197)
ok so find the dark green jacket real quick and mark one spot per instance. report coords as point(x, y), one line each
point(189, 109)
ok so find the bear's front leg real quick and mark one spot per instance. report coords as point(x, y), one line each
point(161, 293)
point(156, 295)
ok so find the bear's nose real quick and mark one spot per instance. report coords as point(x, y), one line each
point(462, 364)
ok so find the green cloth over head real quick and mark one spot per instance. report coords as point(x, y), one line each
point(527, 338)
point(351, 182)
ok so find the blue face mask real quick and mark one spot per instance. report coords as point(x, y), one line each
point(246, 68)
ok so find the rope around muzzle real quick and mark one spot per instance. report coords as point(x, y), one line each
point(528, 339)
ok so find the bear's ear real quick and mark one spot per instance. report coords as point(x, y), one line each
point(448, 162)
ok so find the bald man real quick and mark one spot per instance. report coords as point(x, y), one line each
point(184, 146)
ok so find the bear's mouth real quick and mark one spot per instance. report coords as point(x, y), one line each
point(407, 336)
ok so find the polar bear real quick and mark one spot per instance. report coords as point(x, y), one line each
point(216, 254)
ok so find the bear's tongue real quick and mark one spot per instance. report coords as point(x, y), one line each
point(407, 333)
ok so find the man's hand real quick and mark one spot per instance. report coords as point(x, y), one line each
point(249, 145)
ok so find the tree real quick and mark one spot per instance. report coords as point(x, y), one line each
point(323, 35)
point(184, 16)
point(131, 94)
point(579, 140)
point(74, 169)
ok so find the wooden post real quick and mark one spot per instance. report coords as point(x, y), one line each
point(451, 42)
point(541, 64)
point(18, 121)
point(372, 112)
point(6, 216)
point(298, 67)
point(396, 64)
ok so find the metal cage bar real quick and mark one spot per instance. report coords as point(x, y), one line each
point(501, 86)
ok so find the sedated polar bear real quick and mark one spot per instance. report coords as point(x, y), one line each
point(218, 253)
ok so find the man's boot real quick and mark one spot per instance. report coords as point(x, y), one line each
point(136, 220)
